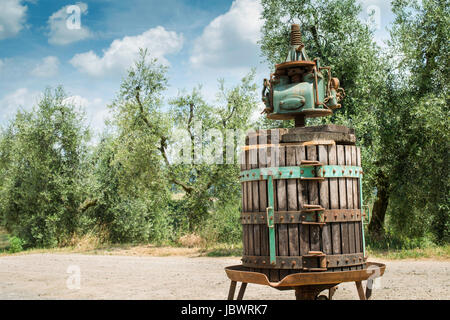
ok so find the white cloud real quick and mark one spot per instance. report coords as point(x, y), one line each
point(21, 98)
point(122, 52)
point(12, 17)
point(47, 68)
point(1, 63)
point(60, 33)
point(230, 40)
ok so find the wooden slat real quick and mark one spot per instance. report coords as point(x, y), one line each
point(244, 204)
point(343, 202)
point(282, 229)
point(255, 189)
point(325, 202)
point(264, 231)
point(300, 153)
point(334, 203)
point(313, 198)
point(273, 159)
point(294, 249)
point(356, 225)
point(358, 162)
point(249, 205)
point(349, 183)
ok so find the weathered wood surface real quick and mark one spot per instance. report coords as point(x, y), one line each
point(294, 194)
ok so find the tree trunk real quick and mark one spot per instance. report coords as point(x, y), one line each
point(376, 225)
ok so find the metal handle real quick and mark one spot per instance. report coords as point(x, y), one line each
point(270, 222)
point(310, 163)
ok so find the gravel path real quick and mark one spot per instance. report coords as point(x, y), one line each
point(45, 276)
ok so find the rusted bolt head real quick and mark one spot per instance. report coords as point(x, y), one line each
point(253, 174)
point(292, 217)
point(280, 173)
point(350, 170)
point(343, 170)
point(264, 262)
point(255, 261)
point(302, 171)
point(345, 215)
point(290, 172)
point(283, 262)
point(248, 175)
point(294, 263)
point(346, 260)
point(271, 218)
point(334, 170)
point(281, 218)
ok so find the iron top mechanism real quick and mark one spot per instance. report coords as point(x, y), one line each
point(298, 89)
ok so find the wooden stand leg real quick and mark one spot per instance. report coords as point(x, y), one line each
point(360, 289)
point(306, 292)
point(232, 290)
point(331, 292)
point(242, 291)
point(369, 286)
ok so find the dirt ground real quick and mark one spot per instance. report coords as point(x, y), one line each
point(53, 276)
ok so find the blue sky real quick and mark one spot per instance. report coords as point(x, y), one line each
point(200, 41)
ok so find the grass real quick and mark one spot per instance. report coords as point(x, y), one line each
point(224, 250)
point(432, 252)
point(90, 244)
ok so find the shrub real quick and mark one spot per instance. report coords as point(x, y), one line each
point(15, 244)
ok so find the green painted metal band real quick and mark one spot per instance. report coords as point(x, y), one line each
point(270, 220)
point(302, 172)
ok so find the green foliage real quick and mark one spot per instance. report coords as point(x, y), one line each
point(223, 225)
point(15, 244)
point(416, 136)
point(42, 170)
point(394, 241)
point(205, 175)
